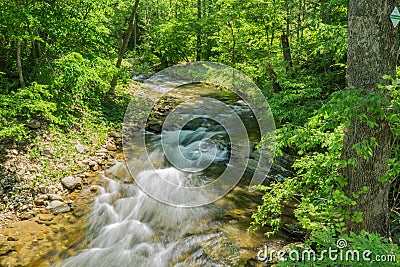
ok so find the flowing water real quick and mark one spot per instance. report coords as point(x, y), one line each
point(130, 228)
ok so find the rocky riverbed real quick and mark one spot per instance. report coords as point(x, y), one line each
point(43, 219)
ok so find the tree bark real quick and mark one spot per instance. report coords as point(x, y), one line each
point(272, 76)
point(19, 65)
point(198, 44)
point(325, 12)
point(233, 52)
point(124, 44)
point(372, 53)
point(286, 52)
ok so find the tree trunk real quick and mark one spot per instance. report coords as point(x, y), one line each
point(272, 76)
point(233, 53)
point(325, 12)
point(19, 64)
point(286, 52)
point(198, 44)
point(124, 44)
point(135, 32)
point(372, 53)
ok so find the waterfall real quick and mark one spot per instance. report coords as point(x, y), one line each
point(130, 228)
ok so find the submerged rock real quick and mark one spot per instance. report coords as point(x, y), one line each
point(57, 206)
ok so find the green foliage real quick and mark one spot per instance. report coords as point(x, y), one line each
point(318, 144)
point(347, 250)
point(77, 90)
point(24, 104)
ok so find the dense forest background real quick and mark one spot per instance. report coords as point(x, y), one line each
point(59, 65)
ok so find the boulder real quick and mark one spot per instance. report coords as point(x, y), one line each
point(34, 124)
point(70, 182)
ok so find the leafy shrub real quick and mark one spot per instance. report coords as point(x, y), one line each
point(318, 144)
point(347, 250)
point(24, 104)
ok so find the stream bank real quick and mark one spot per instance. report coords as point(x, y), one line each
point(43, 218)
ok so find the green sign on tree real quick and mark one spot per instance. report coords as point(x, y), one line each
point(395, 17)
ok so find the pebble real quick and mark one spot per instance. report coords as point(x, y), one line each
point(55, 197)
point(42, 189)
point(39, 202)
point(115, 134)
point(94, 188)
point(111, 147)
point(45, 217)
point(48, 152)
point(95, 167)
point(92, 163)
point(79, 147)
point(10, 238)
point(26, 215)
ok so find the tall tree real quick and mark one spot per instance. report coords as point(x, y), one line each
point(198, 44)
point(124, 43)
point(372, 53)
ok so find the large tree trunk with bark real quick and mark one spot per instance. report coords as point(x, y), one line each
point(372, 53)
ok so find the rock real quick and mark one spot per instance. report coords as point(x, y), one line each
point(39, 202)
point(70, 182)
point(92, 163)
point(45, 217)
point(72, 219)
point(55, 197)
point(95, 167)
point(94, 188)
point(48, 152)
point(57, 206)
point(5, 249)
point(115, 134)
point(11, 238)
point(26, 215)
point(34, 124)
point(42, 189)
point(52, 190)
point(14, 152)
point(79, 147)
point(219, 247)
point(40, 199)
point(111, 147)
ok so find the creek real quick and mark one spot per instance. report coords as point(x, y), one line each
point(128, 227)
